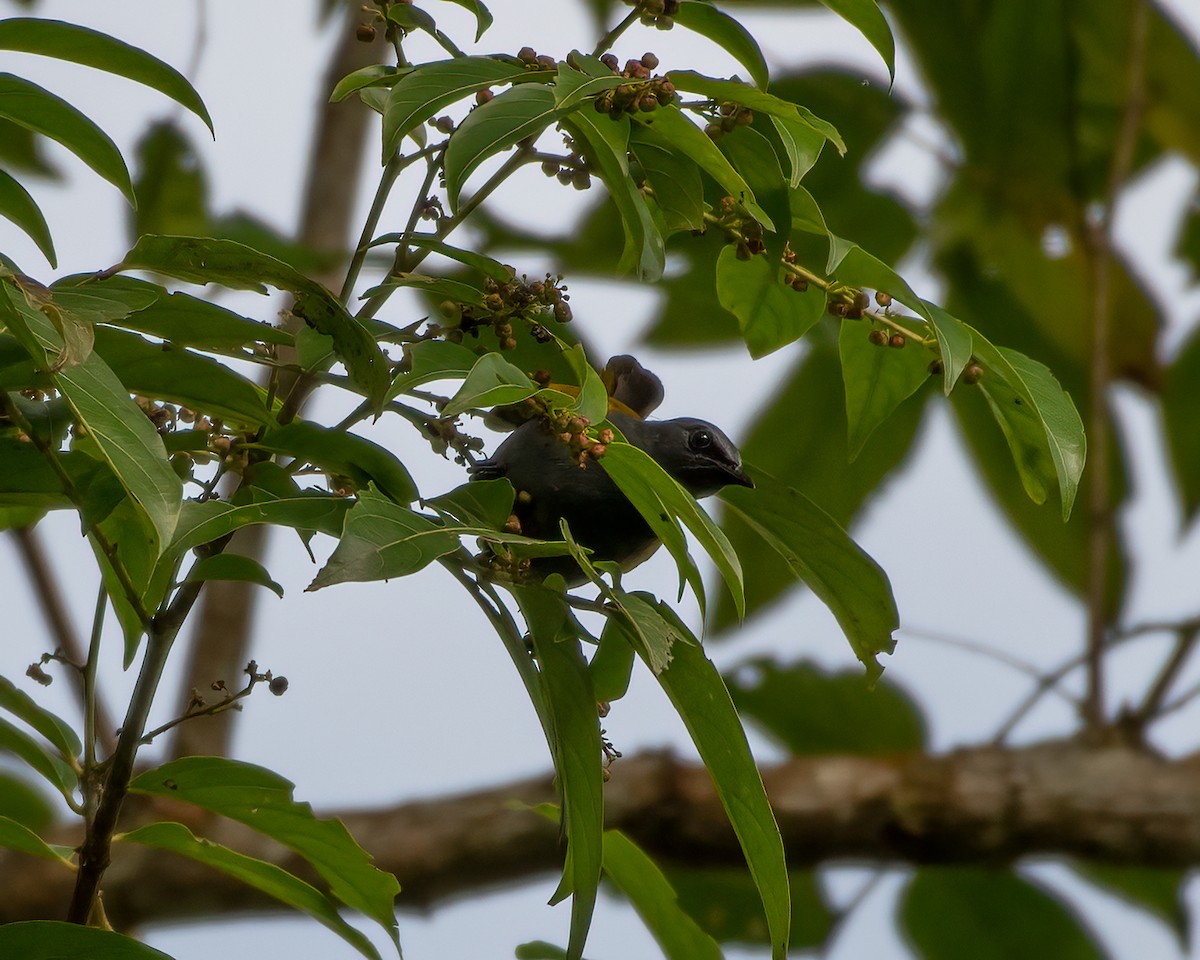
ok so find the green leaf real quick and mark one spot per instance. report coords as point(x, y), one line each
point(821, 553)
point(24, 803)
point(605, 143)
point(497, 125)
point(592, 402)
point(612, 664)
point(16, 836)
point(383, 540)
point(201, 523)
point(419, 95)
point(643, 884)
point(432, 360)
point(180, 376)
point(691, 141)
point(17, 206)
point(483, 503)
point(996, 914)
point(955, 344)
point(1157, 892)
point(573, 728)
point(672, 177)
point(539, 950)
point(56, 940)
point(1039, 421)
point(39, 110)
point(56, 771)
point(265, 877)
point(262, 800)
point(68, 41)
point(706, 20)
point(734, 91)
point(572, 87)
point(865, 16)
point(232, 566)
point(347, 454)
point(814, 712)
point(656, 493)
point(700, 698)
point(200, 260)
point(55, 729)
point(370, 76)
point(483, 16)
point(770, 314)
point(191, 322)
point(120, 432)
point(801, 142)
point(493, 381)
point(878, 378)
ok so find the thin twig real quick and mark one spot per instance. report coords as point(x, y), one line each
point(1151, 706)
point(611, 37)
point(54, 609)
point(1097, 239)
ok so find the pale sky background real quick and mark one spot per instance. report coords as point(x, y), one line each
point(399, 690)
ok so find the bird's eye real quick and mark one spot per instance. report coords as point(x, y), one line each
point(700, 440)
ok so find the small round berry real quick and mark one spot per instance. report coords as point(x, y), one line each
point(484, 96)
point(365, 32)
point(878, 337)
point(897, 340)
point(649, 61)
point(527, 55)
point(883, 299)
point(278, 686)
point(972, 374)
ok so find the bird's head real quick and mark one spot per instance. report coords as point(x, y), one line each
point(695, 453)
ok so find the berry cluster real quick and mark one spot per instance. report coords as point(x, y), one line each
point(729, 117)
point(644, 92)
point(572, 169)
point(740, 228)
point(531, 58)
point(531, 302)
point(847, 302)
point(656, 13)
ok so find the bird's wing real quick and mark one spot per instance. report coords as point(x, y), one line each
point(631, 384)
point(486, 470)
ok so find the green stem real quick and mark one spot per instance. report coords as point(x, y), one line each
point(89, 681)
point(610, 38)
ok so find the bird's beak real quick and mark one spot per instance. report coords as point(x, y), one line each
point(740, 477)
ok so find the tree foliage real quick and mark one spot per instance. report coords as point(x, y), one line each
point(127, 400)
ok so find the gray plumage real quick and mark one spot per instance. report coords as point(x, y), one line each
point(551, 485)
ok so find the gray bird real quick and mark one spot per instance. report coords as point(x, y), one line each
point(551, 485)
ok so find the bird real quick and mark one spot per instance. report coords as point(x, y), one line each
point(553, 483)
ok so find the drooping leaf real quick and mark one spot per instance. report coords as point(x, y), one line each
point(524, 111)
point(37, 109)
point(708, 21)
point(484, 503)
point(656, 493)
point(605, 143)
point(612, 664)
point(702, 701)
point(50, 766)
point(264, 877)
point(819, 552)
point(17, 206)
point(56, 730)
point(16, 836)
point(878, 378)
point(69, 41)
point(262, 800)
point(865, 16)
point(770, 314)
point(574, 732)
point(672, 177)
point(1159, 892)
point(233, 566)
point(648, 890)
